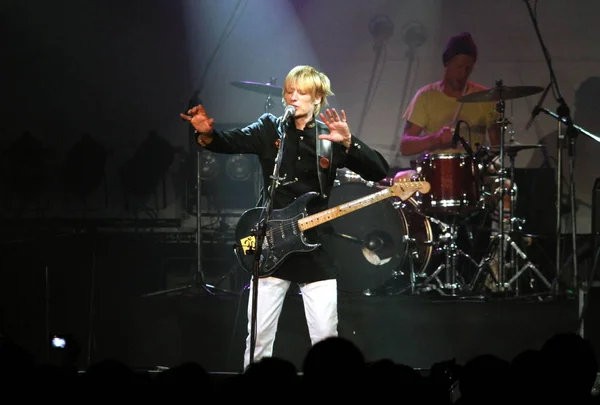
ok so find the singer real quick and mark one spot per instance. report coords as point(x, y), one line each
point(305, 93)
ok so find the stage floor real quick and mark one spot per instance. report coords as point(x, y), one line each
point(103, 294)
point(155, 331)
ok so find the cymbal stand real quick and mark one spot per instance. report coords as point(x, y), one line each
point(515, 248)
point(503, 122)
point(258, 180)
point(269, 100)
point(499, 244)
point(500, 108)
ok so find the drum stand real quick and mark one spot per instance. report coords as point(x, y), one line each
point(505, 238)
point(413, 253)
point(447, 240)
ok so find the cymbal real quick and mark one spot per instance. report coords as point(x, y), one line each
point(514, 147)
point(263, 88)
point(500, 93)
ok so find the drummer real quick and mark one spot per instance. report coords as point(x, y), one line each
point(434, 111)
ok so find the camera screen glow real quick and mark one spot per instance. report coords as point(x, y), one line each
point(58, 342)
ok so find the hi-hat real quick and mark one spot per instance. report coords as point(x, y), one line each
point(515, 147)
point(263, 88)
point(500, 93)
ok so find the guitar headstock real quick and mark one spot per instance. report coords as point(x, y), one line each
point(405, 188)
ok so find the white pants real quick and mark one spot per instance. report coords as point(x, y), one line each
point(320, 309)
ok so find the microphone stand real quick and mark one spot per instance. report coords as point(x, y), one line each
point(571, 134)
point(199, 276)
point(459, 138)
point(260, 238)
point(572, 131)
point(573, 125)
point(563, 114)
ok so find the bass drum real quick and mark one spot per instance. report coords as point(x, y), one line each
point(371, 245)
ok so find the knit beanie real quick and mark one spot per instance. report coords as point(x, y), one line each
point(460, 44)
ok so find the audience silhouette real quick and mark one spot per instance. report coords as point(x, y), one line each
point(564, 369)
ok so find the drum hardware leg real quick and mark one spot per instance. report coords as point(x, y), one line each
point(451, 267)
point(505, 236)
point(472, 261)
point(451, 252)
point(466, 255)
point(425, 286)
point(412, 254)
point(444, 240)
point(528, 265)
point(484, 266)
point(411, 264)
point(447, 240)
point(455, 282)
point(412, 276)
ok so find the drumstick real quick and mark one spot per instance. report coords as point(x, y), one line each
point(459, 107)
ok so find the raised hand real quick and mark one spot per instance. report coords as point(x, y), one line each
point(199, 119)
point(339, 131)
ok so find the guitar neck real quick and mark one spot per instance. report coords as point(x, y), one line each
point(343, 209)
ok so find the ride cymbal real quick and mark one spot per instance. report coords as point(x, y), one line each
point(500, 93)
point(263, 88)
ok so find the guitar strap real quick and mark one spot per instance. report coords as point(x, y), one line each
point(324, 161)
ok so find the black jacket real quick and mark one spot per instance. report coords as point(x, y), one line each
point(299, 166)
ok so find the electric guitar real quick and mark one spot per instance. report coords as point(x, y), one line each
point(284, 231)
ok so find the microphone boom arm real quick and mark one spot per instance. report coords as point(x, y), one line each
point(574, 126)
point(458, 138)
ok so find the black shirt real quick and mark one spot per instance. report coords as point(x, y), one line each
point(299, 165)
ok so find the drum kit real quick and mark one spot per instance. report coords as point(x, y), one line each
point(414, 246)
point(418, 245)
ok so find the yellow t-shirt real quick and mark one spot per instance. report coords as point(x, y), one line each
point(431, 109)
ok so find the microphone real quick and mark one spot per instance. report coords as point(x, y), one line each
point(537, 108)
point(456, 135)
point(289, 112)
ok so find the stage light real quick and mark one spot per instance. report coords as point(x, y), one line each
point(83, 169)
point(147, 168)
point(211, 167)
point(238, 168)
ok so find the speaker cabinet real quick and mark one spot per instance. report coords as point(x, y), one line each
point(536, 200)
point(227, 181)
point(536, 204)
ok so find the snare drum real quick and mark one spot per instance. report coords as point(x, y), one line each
point(455, 183)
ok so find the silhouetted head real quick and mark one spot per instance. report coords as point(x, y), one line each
point(334, 356)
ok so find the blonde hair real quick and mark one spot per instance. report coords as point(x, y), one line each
point(309, 80)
